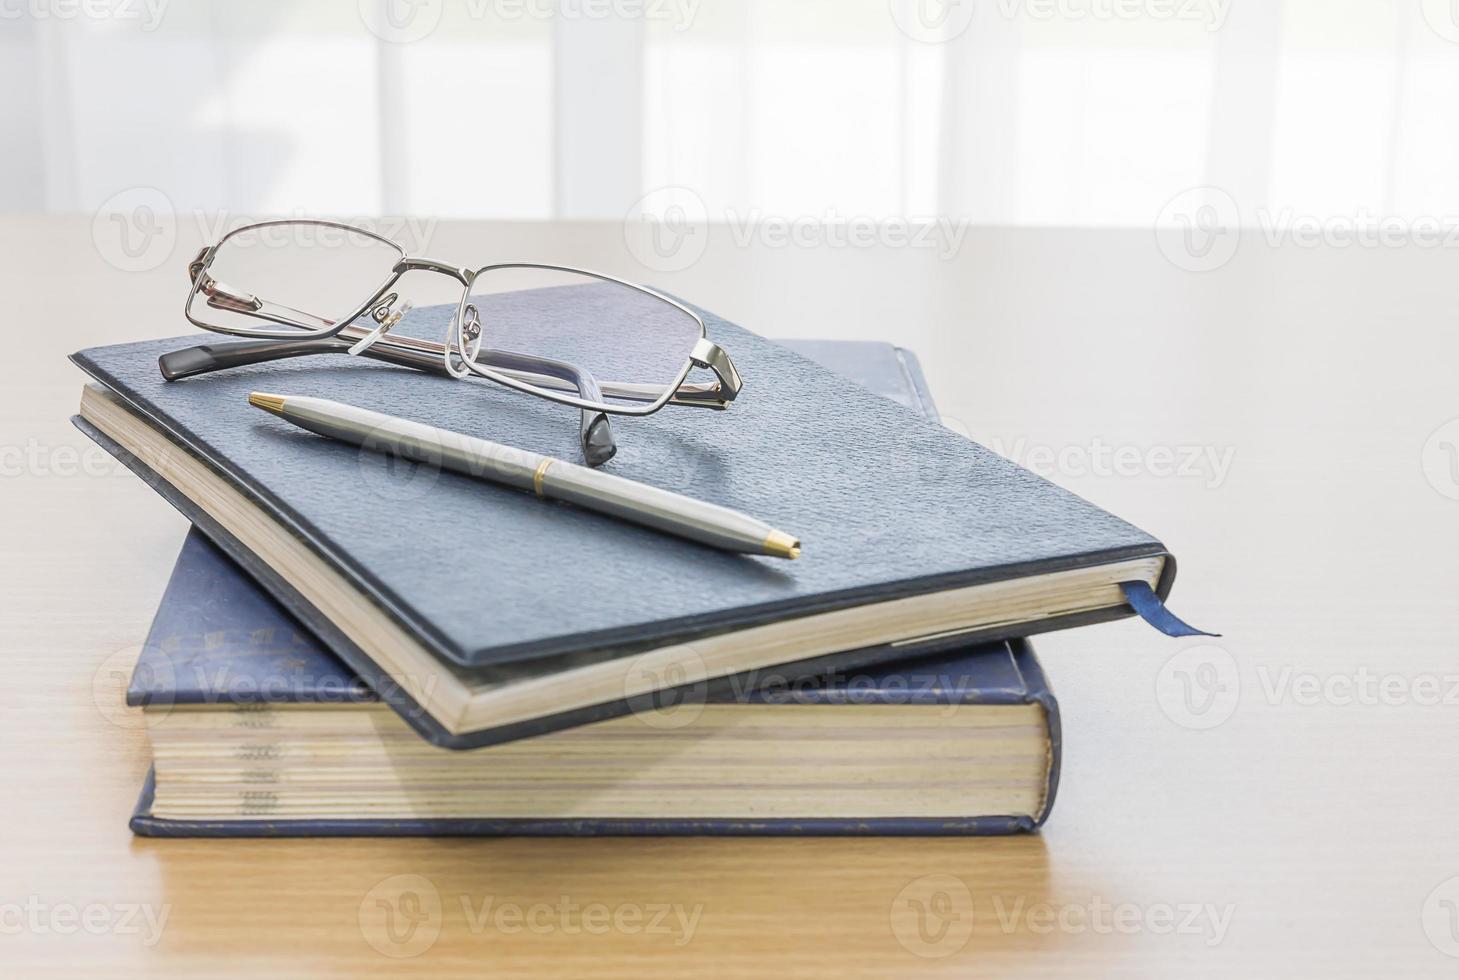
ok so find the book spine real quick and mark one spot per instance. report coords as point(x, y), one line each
point(1038, 691)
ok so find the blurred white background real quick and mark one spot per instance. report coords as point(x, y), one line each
point(1009, 112)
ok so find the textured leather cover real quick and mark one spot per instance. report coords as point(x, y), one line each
point(890, 371)
point(431, 730)
point(220, 638)
point(887, 503)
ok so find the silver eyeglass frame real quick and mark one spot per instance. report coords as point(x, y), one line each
point(521, 372)
point(667, 390)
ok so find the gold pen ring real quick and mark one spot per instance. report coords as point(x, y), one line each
point(537, 477)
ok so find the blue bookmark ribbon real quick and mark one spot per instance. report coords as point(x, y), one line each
point(1147, 606)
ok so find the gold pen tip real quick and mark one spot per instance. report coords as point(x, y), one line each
point(269, 403)
point(782, 545)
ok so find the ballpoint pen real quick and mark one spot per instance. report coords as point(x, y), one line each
point(546, 476)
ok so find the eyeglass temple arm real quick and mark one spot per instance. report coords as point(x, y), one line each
point(595, 432)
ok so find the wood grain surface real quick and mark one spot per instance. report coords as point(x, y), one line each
point(1278, 802)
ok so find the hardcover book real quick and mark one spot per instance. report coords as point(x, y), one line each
point(483, 614)
point(257, 730)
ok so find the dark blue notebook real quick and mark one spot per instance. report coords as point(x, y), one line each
point(222, 645)
point(483, 615)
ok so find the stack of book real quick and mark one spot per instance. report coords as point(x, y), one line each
point(348, 646)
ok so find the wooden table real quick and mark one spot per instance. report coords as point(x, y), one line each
point(1280, 802)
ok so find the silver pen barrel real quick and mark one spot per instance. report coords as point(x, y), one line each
point(409, 440)
point(547, 476)
point(665, 510)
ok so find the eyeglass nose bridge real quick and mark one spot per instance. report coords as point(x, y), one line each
point(412, 263)
point(381, 309)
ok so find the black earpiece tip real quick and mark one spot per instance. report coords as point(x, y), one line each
point(183, 363)
point(598, 444)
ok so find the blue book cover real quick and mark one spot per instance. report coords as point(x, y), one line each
point(912, 533)
point(221, 642)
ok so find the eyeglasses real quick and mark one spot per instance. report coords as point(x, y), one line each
point(593, 341)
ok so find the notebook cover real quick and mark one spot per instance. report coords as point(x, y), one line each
point(889, 371)
point(218, 638)
point(923, 510)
